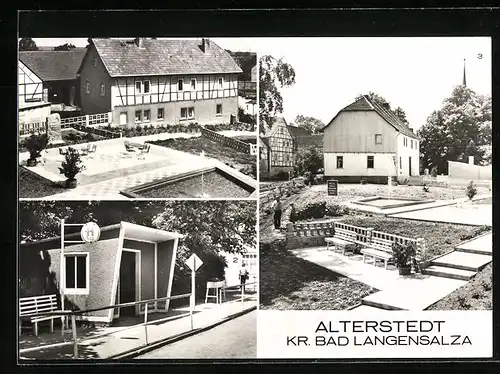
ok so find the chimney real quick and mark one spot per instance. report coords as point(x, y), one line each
point(139, 42)
point(471, 160)
point(45, 95)
point(386, 106)
point(205, 44)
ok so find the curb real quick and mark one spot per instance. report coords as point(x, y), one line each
point(158, 344)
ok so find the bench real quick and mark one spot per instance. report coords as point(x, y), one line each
point(378, 249)
point(39, 304)
point(342, 238)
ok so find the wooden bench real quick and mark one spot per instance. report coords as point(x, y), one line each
point(378, 249)
point(342, 238)
point(39, 304)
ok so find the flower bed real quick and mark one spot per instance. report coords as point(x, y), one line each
point(70, 137)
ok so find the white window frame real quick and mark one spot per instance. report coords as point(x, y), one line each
point(87, 87)
point(102, 89)
point(188, 116)
point(77, 291)
point(158, 112)
point(379, 136)
point(373, 158)
point(180, 89)
point(195, 84)
point(220, 82)
point(144, 117)
point(144, 86)
point(216, 113)
point(135, 116)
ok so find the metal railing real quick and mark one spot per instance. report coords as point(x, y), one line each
point(73, 313)
point(242, 295)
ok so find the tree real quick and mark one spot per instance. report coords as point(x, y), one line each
point(27, 44)
point(308, 161)
point(311, 124)
point(274, 75)
point(399, 112)
point(64, 47)
point(461, 128)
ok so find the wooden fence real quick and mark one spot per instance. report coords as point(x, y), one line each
point(230, 142)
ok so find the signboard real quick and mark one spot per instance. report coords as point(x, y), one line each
point(194, 262)
point(333, 188)
point(90, 232)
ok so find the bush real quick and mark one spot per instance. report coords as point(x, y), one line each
point(471, 190)
point(312, 210)
point(434, 171)
point(403, 253)
point(72, 164)
point(336, 210)
point(35, 144)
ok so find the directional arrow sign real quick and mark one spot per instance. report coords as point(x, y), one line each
point(194, 262)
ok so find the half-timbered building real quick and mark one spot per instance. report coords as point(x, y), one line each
point(33, 105)
point(154, 81)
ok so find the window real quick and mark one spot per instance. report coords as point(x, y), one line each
point(76, 273)
point(411, 143)
point(180, 85)
point(191, 112)
point(400, 162)
point(218, 109)
point(87, 87)
point(369, 162)
point(184, 113)
point(221, 82)
point(94, 62)
point(138, 116)
point(103, 89)
point(193, 84)
point(146, 86)
point(138, 87)
point(161, 114)
point(340, 162)
point(146, 115)
point(378, 138)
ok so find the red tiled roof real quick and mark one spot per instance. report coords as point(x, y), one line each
point(163, 57)
point(53, 65)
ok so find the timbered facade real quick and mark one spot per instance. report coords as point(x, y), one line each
point(30, 85)
point(159, 82)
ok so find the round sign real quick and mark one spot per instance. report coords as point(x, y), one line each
point(90, 232)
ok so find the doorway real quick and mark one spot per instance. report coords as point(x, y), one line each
point(409, 165)
point(123, 118)
point(128, 283)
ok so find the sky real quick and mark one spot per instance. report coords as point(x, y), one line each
point(416, 74)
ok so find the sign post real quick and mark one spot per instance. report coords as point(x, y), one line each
point(333, 188)
point(193, 263)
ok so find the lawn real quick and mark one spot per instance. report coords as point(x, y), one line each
point(34, 186)
point(196, 145)
point(477, 294)
point(290, 283)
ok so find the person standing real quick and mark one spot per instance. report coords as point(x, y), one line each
point(277, 213)
point(243, 276)
point(293, 214)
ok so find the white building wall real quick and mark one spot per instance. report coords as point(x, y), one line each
point(404, 152)
point(355, 164)
point(234, 261)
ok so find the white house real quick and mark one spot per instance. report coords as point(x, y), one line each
point(366, 140)
point(234, 262)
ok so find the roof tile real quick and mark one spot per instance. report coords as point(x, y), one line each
point(53, 65)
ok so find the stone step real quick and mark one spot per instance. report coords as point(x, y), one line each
point(446, 272)
point(463, 261)
point(480, 245)
point(373, 302)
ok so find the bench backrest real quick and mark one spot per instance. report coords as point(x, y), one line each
point(345, 234)
point(37, 304)
point(382, 244)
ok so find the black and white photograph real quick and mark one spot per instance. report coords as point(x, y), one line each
point(137, 279)
point(139, 117)
point(375, 174)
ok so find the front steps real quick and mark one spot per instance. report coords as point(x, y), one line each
point(447, 272)
point(463, 261)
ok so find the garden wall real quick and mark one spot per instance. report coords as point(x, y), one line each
point(461, 170)
point(230, 142)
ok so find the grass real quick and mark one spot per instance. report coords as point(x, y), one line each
point(196, 145)
point(34, 186)
point(291, 283)
point(477, 294)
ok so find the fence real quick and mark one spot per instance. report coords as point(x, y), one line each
point(461, 170)
point(35, 127)
point(88, 120)
point(230, 142)
point(314, 233)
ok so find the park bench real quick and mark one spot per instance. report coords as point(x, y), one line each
point(342, 239)
point(38, 304)
point(378, 249)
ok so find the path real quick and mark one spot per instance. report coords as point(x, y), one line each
point(236, 338)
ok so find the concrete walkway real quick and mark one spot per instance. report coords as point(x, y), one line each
point(118, 343)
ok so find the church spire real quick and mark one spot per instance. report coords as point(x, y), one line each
point(464, 80)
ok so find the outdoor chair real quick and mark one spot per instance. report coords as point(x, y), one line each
point(144, 151)
point(128, 147)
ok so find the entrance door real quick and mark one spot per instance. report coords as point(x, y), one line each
point(123, 118)
point(127, 282)
point(409, 165)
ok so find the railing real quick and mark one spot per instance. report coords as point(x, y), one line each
point(88, 120)
point(230, 142)
point(72, 314)
point(35, 127)
point(243, 296)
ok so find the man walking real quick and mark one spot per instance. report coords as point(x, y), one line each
point(277, 213)
point(243, 276)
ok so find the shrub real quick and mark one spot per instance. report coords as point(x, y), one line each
point(315, 209)
point(336, 210)
point(72, 164)
point(434, 171)
point(403, 253)
point(471, 190)
point(35, 144)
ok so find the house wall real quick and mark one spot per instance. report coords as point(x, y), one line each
point(355, 132)
point(204, 112)
point(147, 266)
point(404, 152)
point(234, 262)
point(33, 114)
point(93, 102)
point(165, 253)
point(29, 85)
point(60, 91)
point(355, 167)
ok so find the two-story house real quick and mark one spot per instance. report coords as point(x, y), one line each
point(155, 81)
point(366, 140)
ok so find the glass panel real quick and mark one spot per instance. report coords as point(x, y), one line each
point(160, 113)
point(146, 86)
point(183, 112)
point(180, 84)
point(191, 112)
point(146, 115)
point(70, 271)
point(81, 271)
point(138, 87)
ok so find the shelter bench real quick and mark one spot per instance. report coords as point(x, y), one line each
point(38, 304)
point(378, 249)
point(342, 238)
